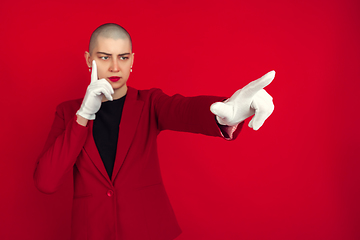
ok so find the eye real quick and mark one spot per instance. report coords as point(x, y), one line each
point(124, 58)
point(104, 58)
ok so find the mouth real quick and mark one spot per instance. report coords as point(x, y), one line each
point(114, 79)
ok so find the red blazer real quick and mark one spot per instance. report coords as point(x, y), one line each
point(133, 205)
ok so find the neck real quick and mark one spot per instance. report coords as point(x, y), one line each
point(118, 93)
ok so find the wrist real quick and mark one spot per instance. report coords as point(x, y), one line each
point(81, 120)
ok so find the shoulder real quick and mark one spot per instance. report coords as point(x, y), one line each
point(145, 94)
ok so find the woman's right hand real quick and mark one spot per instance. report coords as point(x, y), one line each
point(92, 100)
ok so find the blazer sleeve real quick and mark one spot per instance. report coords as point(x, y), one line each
point(63, 145)
point(190, 114)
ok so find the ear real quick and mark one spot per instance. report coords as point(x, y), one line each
point(132, 59)
point(87, 59)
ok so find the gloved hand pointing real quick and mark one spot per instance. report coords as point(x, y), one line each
point(251, 99)
point(92, 100)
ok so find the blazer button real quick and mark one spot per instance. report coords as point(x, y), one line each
point(110, 193)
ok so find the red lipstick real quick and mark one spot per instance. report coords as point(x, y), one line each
point(114, 79)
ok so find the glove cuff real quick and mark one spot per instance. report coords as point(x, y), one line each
point(223, 122)
point(86, 116)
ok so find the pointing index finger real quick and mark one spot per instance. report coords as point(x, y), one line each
point(253, 87)
point(94, 75)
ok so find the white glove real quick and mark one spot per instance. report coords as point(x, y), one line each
point(251, 99)
point(92, 100)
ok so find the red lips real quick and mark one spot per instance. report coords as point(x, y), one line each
point(114, 79)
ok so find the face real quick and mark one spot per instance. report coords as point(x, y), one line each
point(114, 60)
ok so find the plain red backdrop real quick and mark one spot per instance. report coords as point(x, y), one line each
point(296, 178)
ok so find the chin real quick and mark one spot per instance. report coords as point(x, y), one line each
point(118, 85)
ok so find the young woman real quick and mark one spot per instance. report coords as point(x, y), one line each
point(108, 140)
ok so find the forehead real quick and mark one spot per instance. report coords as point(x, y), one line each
point(113, 46)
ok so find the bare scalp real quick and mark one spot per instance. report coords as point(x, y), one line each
point(108, 30)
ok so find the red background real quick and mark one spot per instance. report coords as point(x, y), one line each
point(295, 178)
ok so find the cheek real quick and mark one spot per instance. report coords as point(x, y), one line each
point(126, 70)
point(101, 73)
point(126, 65)
point(101, 69)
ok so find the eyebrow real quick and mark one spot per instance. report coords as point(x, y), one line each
point(111, 54)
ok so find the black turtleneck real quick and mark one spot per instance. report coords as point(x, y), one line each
point(106, 131)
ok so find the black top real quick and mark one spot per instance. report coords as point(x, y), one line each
point(106, 131)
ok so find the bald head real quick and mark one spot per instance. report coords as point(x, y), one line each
point(108, 30)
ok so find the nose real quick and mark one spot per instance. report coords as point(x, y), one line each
point(114, 66)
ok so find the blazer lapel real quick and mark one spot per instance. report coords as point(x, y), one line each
point(92, 151)
point(128, 124)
